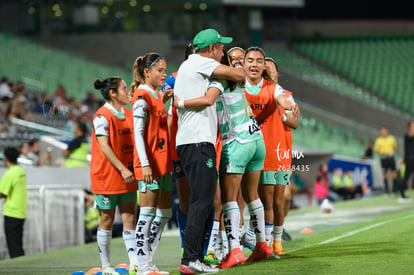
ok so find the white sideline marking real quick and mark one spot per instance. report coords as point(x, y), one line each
point(351, 233)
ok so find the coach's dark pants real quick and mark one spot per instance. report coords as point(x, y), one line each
point(13, 228)
point(199, 164)
point(409, 169)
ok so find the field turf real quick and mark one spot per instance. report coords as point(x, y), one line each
point(369, 236)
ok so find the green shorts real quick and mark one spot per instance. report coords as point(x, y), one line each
point(239, 157)
point(163, 183)
point(274, 177)
point(106, 202)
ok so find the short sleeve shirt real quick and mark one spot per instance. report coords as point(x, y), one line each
point(13, 185)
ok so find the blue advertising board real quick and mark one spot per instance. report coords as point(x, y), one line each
point(360, 171)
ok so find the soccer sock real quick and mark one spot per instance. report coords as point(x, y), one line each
point(257, 221)
point(231, 217)
point(219, 246)
point(157, 227)
point(103, 238)
point(145, 219)
point(214, 235)
point(268, 232)
point(182, 222)
point(277, 233)
point(249, 232)
point(131, 246)
point(225, 243)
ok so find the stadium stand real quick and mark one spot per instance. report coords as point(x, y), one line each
point(43, 68)
point(383, 65)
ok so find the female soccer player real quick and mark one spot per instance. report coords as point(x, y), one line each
point(264, 98)
point(152, 161)
point(112, 179)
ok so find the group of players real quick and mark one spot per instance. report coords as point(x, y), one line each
point(228, 116)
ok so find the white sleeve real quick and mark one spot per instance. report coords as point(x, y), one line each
point(207, 67)
point(140, 109)
point(169, 112)
point(279, 91)
point(216, 84)
point(140, 114)
point(101, 126)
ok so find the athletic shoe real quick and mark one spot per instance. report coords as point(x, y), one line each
point(235, 257)
point(158, 271)
point(277, 248)
point(262, 251)
point(274, 256)
point(109, 271)
point(249, 243)
point(404, 199)
point(149, 270)
point(197, 267)
point(211, 258)
point(286, 236)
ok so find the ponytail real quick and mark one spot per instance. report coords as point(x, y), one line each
point(141, 63)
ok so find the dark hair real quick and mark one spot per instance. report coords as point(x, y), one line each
point(141, 63)
point(33, 141)
point(254, 49)
point(11, 154)
point(409, 123)
point(110, 83)
point(268, 58)
point(82, 127)
point(189, 50)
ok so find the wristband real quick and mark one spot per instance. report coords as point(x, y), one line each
point(237, 63)
point(180, 104)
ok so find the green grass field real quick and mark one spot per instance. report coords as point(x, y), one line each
point(372, 236)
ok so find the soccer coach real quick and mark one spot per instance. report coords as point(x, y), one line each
point(196, 138)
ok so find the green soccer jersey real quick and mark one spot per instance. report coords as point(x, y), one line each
point(13, 185)
point(236, 121)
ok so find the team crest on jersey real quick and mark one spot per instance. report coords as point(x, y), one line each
point(161, 143)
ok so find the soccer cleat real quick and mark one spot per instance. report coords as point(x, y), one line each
point(235, 257)
point(211, 258)
point(149, 270)
point(249, 243)
point(158, 271)
point(262, 251)
point(277, 248)
point(197, 267)
point(133, 270)
point(109, 271)
point(286, 236)
point(274, 256)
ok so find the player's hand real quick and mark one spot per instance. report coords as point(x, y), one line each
point(167, 95)
point(147, 174)
point(295, 109)
point(128, 176)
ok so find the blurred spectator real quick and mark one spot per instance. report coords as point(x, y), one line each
point(351, 189)
point(91, 217)
point(369, 154)
point(299, 187)
point(14, 190)
point(386, 147)
point(321, 186)
point(76, 153)
point(336, 183)
point(44, 105)
point(71, 123)
point(60, 96)
point(34, 154)
point(24, 152)
point(5, 89)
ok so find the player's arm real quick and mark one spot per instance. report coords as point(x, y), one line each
point(199, 102)
point(291, 119)
point(230, 73)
